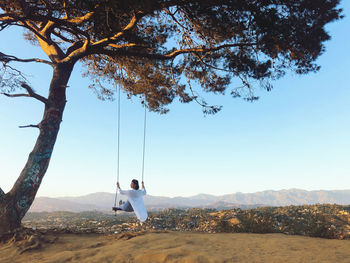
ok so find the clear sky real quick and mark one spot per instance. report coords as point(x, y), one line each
point(296, 136)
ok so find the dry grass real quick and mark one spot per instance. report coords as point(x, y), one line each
point(173, 247)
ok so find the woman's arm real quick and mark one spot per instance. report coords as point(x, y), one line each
point(123, 192)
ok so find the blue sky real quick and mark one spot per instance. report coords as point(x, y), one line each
point(296, 136)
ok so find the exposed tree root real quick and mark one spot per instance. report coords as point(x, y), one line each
point(27, 239)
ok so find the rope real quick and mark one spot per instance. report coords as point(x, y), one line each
point(118, 146)
point(118, 143)
point(144, 139)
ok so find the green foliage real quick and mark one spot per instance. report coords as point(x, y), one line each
point(159, 49)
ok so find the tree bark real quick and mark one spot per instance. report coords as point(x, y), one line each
point(15, 204)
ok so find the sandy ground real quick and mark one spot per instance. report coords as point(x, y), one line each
point(181, 247)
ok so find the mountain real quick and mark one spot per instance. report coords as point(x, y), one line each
point(42, 204)
point(104, 201)
point(291, 197)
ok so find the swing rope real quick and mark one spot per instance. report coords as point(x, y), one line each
point(118, 146)
point(118, 143)
point(144, 139)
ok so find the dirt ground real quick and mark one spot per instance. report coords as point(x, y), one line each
point(175, 247)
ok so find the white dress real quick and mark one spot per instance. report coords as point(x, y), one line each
point(136, 201)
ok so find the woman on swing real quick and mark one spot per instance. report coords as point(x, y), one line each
point(135, 200)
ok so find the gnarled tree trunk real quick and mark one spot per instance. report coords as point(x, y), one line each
point(15, 204)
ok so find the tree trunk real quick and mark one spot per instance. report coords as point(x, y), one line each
point(15, 204)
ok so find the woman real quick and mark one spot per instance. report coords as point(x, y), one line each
point(135, 200)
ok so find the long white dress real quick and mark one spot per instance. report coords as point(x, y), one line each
point(135, 197)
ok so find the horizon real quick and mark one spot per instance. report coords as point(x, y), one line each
point(268, 190)
point(294, 137)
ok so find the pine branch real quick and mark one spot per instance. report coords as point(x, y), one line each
point(81, 19)
point(8, 58)
point(15, 95)
point(29, 126)
point(130, 26)
point(59, 35)
point(202, 50)
point(31, 94)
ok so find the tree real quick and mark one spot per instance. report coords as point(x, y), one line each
point(156, 49)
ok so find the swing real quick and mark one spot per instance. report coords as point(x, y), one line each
point(128, 207)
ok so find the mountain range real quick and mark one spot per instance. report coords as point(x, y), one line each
point(104, 201)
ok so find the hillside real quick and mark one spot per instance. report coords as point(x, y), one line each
point(104, 201)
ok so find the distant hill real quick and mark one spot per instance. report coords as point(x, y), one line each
point(104, 201)
point(47, 204)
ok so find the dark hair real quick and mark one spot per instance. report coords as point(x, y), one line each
point(136, 183)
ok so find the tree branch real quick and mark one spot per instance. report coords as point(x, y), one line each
point(11, 18)
point(211, 66)
point(76, 51)
point(7, 58)
point(65, 25)
point(31, 93)
point(15, 95)
point(29, 126)
point(42, 33)
point(48, 28)
point(126, 45)
point(175, 53)
point(168, 56)
point(8, 17)
point(81, 19)
point(59, 35)
point(109, 40)
point(207, 109)
point(49, 47)
point(167, 11)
